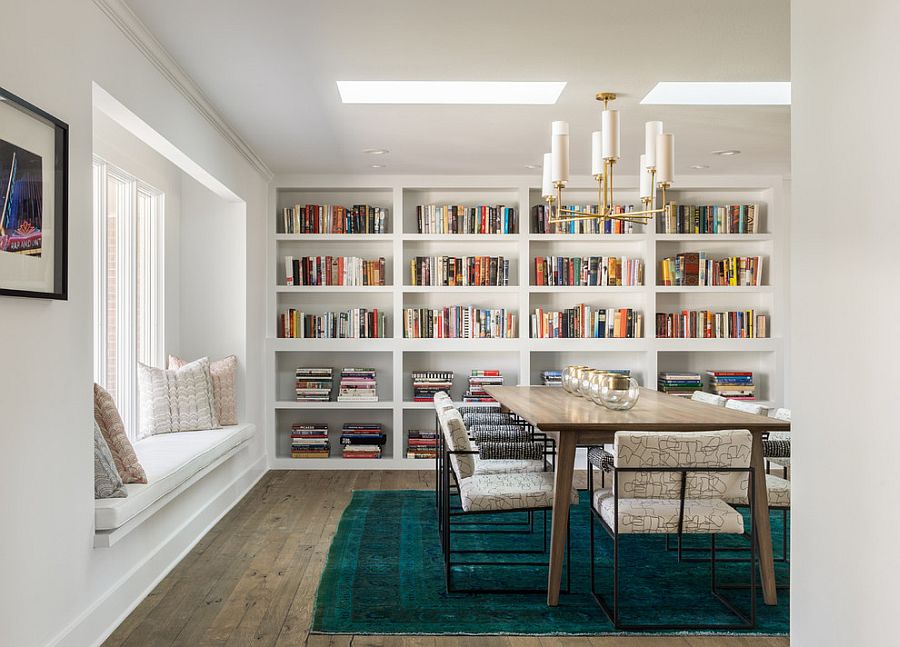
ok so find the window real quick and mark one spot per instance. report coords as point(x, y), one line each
point(128, 217)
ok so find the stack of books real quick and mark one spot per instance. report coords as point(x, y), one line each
point(582, 321)
point(421, 443)
point(427, 383)
point(313, 384)
point(679, 383)
point(709, 219)
point(358, 385)
point(310, 440)
point(362, 440)
point(551, 378)
point(737, 385)
point(479, 379)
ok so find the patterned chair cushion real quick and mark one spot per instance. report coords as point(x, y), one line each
point(730, 448)
point(781, 414)
point(776, 447)
point(223, 373)
point(492, 418)
point(523, 451)
point(478, 408)
point(778, 491)
point(482, 493)
point(485, 466)
point(708, 398)
point(107, 482)
point(601, 458)
point(499, 433)
point(176, 400)
point(457, 439)
point(649, 516)
point(113, 429)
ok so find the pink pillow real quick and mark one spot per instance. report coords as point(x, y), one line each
point(222, 372)
point(113, 429)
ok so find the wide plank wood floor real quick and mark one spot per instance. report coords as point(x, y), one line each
point(252, 579)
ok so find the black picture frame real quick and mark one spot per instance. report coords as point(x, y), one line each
point(60, 187)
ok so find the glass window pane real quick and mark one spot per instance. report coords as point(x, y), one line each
point(115, 190)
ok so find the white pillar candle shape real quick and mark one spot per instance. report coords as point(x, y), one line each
point(559, 149)
point(610, 122)
point(665, 157)
point(652, 129)
point(596, 153)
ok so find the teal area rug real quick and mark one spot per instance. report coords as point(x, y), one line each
point(384, 575)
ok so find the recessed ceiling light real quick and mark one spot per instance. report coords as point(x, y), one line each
point(478, 92)
point(700, 166)
point(376, 151)
point(756, 93)
point(727, 153)
point(376, 165)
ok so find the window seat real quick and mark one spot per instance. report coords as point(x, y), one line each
point(172, 463)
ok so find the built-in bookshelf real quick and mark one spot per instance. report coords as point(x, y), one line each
point(460, 263)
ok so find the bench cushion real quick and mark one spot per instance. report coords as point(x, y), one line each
point(168, 460)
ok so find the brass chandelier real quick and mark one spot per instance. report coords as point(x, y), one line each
point(656, 169)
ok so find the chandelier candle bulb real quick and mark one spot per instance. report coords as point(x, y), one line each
point(652, 130)
point(596, 153)
point(547, 183)
point(610, 123)
point(665, 157)
point(559, 147)
point(644, 174)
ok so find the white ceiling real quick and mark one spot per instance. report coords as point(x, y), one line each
point(270, 66)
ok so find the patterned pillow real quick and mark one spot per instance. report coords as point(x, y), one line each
point(176, 400)
point(113, 429)
point(222, 372)
point(107, 482)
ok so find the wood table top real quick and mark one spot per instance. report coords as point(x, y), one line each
point(553, 409)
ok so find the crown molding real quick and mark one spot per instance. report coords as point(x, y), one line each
point(137, 32)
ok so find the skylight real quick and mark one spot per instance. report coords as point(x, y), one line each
point(455, 92)
point(753, 93)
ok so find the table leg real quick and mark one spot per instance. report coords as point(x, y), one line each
point(562, 497)
point(761, 526)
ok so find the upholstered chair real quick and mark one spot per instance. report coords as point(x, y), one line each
point(708, 398)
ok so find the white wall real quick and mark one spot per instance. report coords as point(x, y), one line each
point(845, 383)
point(55, 586)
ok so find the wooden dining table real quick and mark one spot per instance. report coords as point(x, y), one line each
point(577, 422)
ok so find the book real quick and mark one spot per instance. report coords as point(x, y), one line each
point(358, 385)
point(679, 383)
point(737, 385)
point(313, 384)
point(310, 440)
point(333, 219)
point(734, 324)
point(458, 322)
point(540, 217)
point(695, 268)
point(459, 270)
point(421, 444)
point(588, 270)
point(356, 323)
point(362, 440)
point(459, 219)
point(333, 270)
point(551, 378)
point(585, 321)
point(427, 383)
point(709, 219)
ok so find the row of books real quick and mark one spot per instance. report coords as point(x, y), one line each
point(421, 443)
point(358, 385)
point(585, 321)
point(478, 380)
point(709, 219)
point(357, 323)
point(457, 219)
point(313, 384)
point(542, 215)
point(334, 219)
point(459, 270)
point(333, 270)
point(310, 440)
point(694, 268)
point(734, 324)
point(427, 383)
point(458, 322)
point(551, 378)
point(588, 270)
point(737, 385)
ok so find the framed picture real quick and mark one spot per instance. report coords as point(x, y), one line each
point(34, 192)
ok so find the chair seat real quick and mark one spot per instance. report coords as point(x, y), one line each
point(777, 489)
point(519, 491)
point(660, 516)
point(506, 466)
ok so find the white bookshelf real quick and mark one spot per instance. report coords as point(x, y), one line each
point(521, 359)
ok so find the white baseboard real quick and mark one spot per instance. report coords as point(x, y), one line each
point(84, 630)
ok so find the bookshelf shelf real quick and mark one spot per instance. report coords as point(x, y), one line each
point(521, 358)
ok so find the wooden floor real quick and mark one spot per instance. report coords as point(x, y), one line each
point(252, 579)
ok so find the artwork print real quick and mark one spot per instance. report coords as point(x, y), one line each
point(21, 200)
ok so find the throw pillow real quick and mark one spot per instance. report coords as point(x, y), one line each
point(222, 372)
point(107, 482)
point(113, 429)
point(176, 400)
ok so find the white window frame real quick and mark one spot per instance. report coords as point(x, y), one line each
point(134, 191)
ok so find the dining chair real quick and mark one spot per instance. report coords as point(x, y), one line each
point(708, 398)
point(674, 483)
point(777, 446)
point(747, 407)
